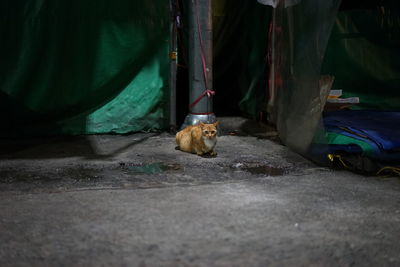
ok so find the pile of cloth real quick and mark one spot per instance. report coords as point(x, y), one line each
point(362, 140)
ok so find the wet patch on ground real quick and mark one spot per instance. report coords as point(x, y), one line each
point(265, 170)
point(10, 176)
point(261, 169)
point(78, 173)
point(150, 168)
point(132, 175)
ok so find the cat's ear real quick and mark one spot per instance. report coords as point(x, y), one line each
point(216, 123)
point(201, 124)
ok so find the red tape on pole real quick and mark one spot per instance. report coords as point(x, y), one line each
point(207, 92)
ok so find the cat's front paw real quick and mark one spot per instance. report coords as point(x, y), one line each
point(213, 154)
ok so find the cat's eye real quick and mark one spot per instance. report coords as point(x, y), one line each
point(212, 132)
point(206, 132)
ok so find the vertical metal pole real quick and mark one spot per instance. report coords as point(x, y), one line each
point(173, 65)
point(200, 17)
point(272, 90)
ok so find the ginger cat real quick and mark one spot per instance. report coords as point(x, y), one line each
point(199, 139)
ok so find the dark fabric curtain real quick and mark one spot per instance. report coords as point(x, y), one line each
point(300, 37)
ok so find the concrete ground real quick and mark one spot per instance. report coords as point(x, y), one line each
point(134, 200)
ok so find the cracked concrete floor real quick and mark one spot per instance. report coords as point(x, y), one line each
point(134, 200)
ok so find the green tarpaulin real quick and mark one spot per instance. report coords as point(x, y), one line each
point(76, 67)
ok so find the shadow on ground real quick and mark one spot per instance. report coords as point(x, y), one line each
point(65, 147)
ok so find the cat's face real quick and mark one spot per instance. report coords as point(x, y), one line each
point(209, 130)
